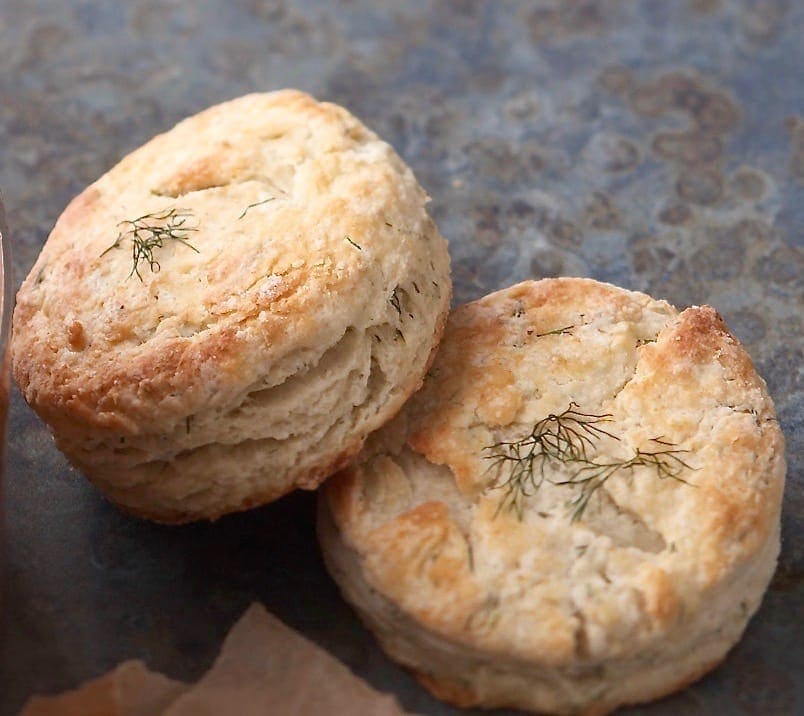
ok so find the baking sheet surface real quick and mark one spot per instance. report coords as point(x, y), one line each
point(657, 145)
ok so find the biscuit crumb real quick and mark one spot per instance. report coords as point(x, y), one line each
point(76, 338)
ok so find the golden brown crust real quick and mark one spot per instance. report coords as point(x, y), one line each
point(304, 292)
point(460, 695)
point(307, 238)
point(309, 481)
point(652, 563)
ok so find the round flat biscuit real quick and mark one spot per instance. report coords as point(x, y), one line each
point(227, 313)
point(580, 509)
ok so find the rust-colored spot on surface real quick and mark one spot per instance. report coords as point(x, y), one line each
point(716, 113)
point(752, 231)
point(675, 214)
point(700, 185)
point(601, 213)
point(565, 233)
point(647, 253)
point(617, 80)
point(762, 21)
point(500, 158)
point(711, 110)
point(564, 19)
point(690, 147)
point(488, 226)
point(655, 98)
point(748, 183)
point(796, 127)
point(612, 153)
point(720, 256)
point(521, 208)
point(784, 266)
point(520, 214)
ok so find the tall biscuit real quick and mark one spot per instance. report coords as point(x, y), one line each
point(580, 509)
point(229, 312)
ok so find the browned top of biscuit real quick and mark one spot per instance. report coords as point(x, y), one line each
point(673, 400)
point(297, 221)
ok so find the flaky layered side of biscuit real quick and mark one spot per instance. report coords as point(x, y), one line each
point(291, 307)
point(571, 595)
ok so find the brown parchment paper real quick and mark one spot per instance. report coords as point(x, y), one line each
point(267, 668)
point(264, 669)
point(129, 690)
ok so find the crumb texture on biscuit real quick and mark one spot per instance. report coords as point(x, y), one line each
point(254, 348)
point(535, 603)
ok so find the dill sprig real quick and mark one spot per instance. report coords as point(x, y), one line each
point(149, 232)
point(566, 330)
point(568, 439)
point(256, 203)
point(589, 478)
point(562, 437)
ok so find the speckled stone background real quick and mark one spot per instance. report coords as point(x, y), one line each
point(658, 144)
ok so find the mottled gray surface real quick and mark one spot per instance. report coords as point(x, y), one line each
point(656, 144)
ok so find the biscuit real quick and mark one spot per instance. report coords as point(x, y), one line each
point(580, 509)
point(228, 313)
